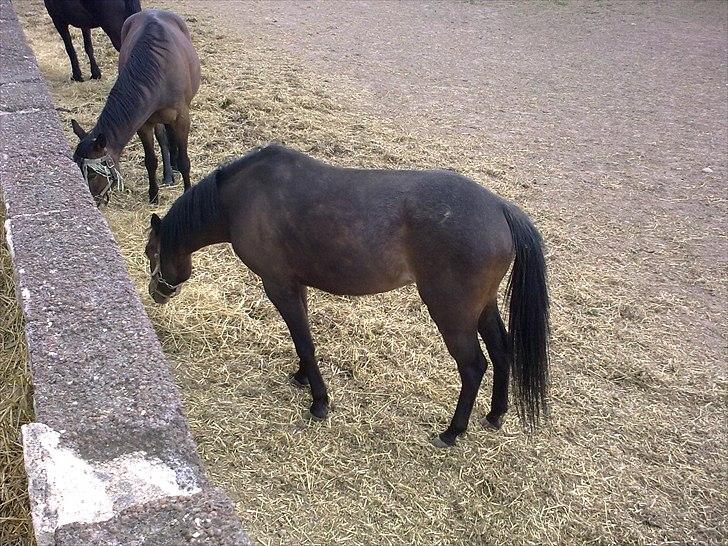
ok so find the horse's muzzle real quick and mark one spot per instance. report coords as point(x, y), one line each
point(158, 295)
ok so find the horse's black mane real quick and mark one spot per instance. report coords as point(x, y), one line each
point(200, 205)
point(194, 209)
point(138, 78)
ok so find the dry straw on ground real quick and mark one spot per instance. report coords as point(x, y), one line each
point(15, 410)
point(634, 453)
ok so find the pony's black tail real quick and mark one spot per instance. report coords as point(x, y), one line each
point(132, 7)
point(528, 320)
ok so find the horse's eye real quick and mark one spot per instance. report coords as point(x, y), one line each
point(92, 175)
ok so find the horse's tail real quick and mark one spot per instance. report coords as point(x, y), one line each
point(132, 7)
point(528, 320)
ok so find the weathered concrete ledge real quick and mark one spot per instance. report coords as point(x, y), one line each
point(110, 459)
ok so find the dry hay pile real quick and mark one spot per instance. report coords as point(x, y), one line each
point(16, 409)
point(634, 450)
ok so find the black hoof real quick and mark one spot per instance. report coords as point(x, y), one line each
point(96, 75)
point(77, 77)
point(154, 200)
point(296, 382)
point(318, 412)
point(492, 423)
point(313, 417)
point(439, 441)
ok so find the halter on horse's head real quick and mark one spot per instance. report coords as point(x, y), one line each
point(104, 166)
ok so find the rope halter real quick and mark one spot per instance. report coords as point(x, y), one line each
point(158, 279)
point(104, 166)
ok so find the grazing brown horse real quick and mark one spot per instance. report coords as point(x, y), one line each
point(297, 222)
point(87, 14)
point(159, 73)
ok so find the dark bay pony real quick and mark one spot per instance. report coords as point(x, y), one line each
point(297, 222)
point(159, 74)
point(87, 14)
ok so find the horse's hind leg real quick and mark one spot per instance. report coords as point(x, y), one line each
point(161, 133)
point(146, 135)
point(66, 36)
point(289, 299)
point(89, 47)
point(181, 131)
point(459, 330)
point(173, 149)
point(494, 335)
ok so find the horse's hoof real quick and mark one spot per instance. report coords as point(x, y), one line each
point(96, 76)
point(313, 417)
point(77, 78)
point(490, 425)
point(319, 410)
point(296, 383)
point(439, 442)
point(169, 183)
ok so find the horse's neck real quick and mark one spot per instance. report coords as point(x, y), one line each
point(213, 233)
point(214, 230)
point(120, 130)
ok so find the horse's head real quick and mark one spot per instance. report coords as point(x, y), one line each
point(96, 164)
point(168, 271)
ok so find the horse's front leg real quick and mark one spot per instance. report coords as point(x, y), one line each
point(89, 47)
point(289, 299)
point(66, 37)
point(162, 138)
point(146, 135)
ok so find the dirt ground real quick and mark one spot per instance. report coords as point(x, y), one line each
point(617, 111)
point(617, 107)
point(597, 118)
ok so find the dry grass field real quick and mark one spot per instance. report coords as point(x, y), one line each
point(16, 409)
point(634, 452)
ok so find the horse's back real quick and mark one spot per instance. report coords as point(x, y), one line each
point(147, 16)
point(452, 221)
point(377, 228)
point(179, 64)
point(71, 12)
point(109, 14)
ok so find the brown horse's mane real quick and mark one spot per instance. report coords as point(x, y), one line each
point(140, 76)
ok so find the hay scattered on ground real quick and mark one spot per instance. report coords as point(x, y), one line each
point(635, 451)
point(16, 409)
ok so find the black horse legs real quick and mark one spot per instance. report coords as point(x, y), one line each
point(289, 299)
point(494, 335)
point(89, 47)
point(465, 349)
point(163, 139)
point(146, 135)
point(173, 149)
point(179, 134)
point(66, 36)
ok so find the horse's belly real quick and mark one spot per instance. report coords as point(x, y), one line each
point(166, 115)
point(350, 280)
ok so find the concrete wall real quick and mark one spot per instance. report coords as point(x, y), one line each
point(110, 459)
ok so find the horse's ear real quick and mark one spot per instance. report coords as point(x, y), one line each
point(100, 142)
point(156, 222)
point(80, 133)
